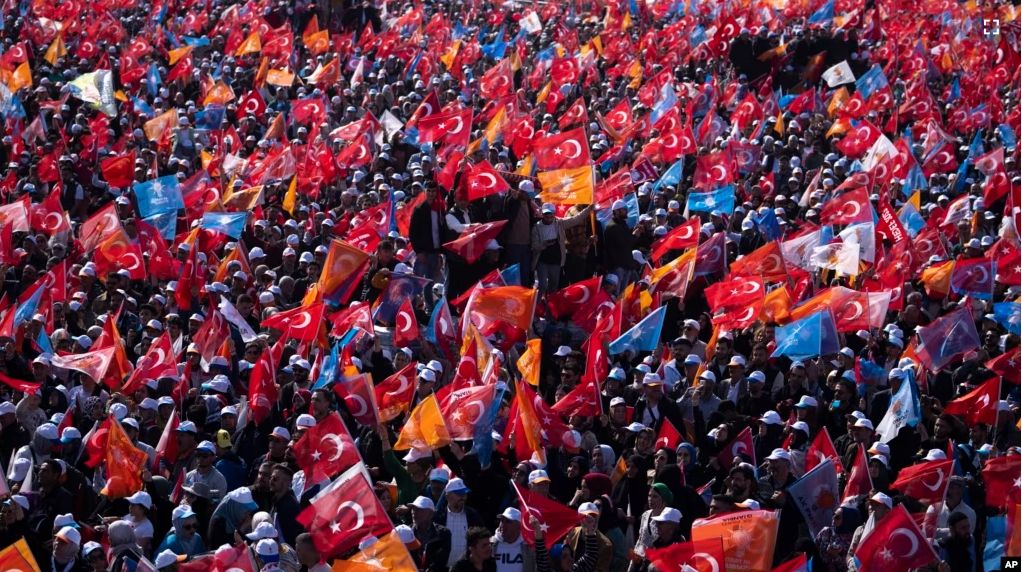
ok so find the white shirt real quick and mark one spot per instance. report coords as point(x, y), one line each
point(509, 556)
point(143, 530)
point(457, 523)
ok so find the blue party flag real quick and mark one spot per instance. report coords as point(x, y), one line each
point(43, 341)
point(153, 80)
point(997, 542)
point(512, 275)
point(231, 224)
point(1007, 135)
point(28, 309)
point(825, 15)
point(159, 196)
point(666, 100)
point(670, 178)
point(1009, 315)
point(644, 336)
point(871, 81)
point(482, 433)
point(720, 201)
point(817, 496)
point(165, 223)
point(812, 336)
point(946, 337)
point(330, 368)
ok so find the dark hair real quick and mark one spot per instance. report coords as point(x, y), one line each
point(326, 393)
point(306, 539)
point(724, 497)
point(284, 469)
point(53, 465)
point(385, 245)
point(197, 413)
point(744, 469)
point(242, 298)
point(475, 534)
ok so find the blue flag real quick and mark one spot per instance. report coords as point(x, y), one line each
point(331, 367)
point(1009, 315)
point(143, 107)
point(196, 42)
point(644, 336)
point(153, 80)
point(720, 201)
point(812, 336)
point(666, 100)
point(512, 275)
point(670, 178)
point(43, 341)
point(165, 223)
point(400, 288)
point(631, 202)
point(817, 496)
point(1007, 135)
point(997, 542)
point(28, 309)
point(211, 117)
point(825, 15)
point(955, 93)
point(767, 223)
point(231, 224)
point(159, 196)
point(482, 433)
point(976, 148)
point(871, 81)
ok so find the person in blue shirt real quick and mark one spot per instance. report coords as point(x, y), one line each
point(185, 539)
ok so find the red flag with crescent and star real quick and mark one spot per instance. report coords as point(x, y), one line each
point(344, 513)
point(325, 450)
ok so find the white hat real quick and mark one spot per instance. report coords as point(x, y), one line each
point(806, 401)
point(883, 499)
point(141, 498)
point(427, 375)
point(148, 403)
point(562, 351)
point(267, 547)
point(756, 376)
point(864, 423)
point(618, 374)
point(119, 411)
point(436, 366)
point(281, 432)
point(801, 426)
point(635, 427)
point(456, 486)
point(617, 401)
point(186, 427)
point(89, 547)
point(779, 454)
point(512, 514)
point(207, 446)
point(168, 557)
point(48, 431)
point(305, 421)
point(588, 508)
point(7, 407)
point(896, 373)
point(416, 454)
point(618, 204)
point(538, 476)
point(652, 379)
point(935, 455)
point(71, 535)
point(669, 515)
point(424, 503)
point(737, 360)
point(882, 459)
point(265, 529)
point(19, 470)
point(847, 352)
point(771, 418)
point(880, 449)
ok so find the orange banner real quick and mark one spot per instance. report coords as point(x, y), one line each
point(748, 536)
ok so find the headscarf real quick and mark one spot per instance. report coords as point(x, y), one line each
point(608, 514)
point(691, 456)
point(555, 556)
point(598, 484)
point(193, 546)
point(672, 455)
point(851, 519)
point(631, 491)
point(664, 492)
point(609, 460)
point(122, 538)
point(90, 404)
point(670, 477)
point(232, 512)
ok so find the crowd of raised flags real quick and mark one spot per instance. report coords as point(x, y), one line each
point(510, 287)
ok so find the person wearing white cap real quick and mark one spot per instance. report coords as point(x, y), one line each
point(168, 560)
point(66, 542)
point(184, 539)
point(458, 517)
point(139, 505)
point(772, 494)
point(205, 472)
point(509, 548)
point(435, 552)
point(548, 245)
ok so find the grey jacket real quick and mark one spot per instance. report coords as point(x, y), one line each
point(528, 552)
point(561, 224)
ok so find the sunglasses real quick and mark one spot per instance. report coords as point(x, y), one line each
point(187, 527)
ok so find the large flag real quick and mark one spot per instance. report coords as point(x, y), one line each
point(749, 537)
point(302, 323)
point(926, 481)
point(817, 496)
point(344, 513)
point(387, 553)
point(567, 186)
point(342, 271)
point(902, 412)
point(568, 300)
point(159, 196)
point(741, 444)
point(511, 304)
point(1003, 538)
point(325, 450)
point(94, 363)
point(18, 556)
point(644, 336)
point(1001, 476)
point(980, 404)
point(124, 464)
point(701, 556)
point(812, 336)
point(947, 337)
point(554, 518)
point(466, 410)
point(394, 394)
point(895, 545)
point(425, 428)
point(974, 277)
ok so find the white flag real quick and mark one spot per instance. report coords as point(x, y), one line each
point(798, 251)
point(902, 412)
point(840, 256)
point(839, 75)
point(357, 75)
point(234, 317)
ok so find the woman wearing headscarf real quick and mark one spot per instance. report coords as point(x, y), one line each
point(769, 436)
point(659, 498)
point(686, 499)
point(122, 545)
point(644, 445)
point(664, 456)
point(608, 526)
point(185, 539)
point(695, 475)
point(92, 412)
point(234, 513)
point(568, 486)
point(29, 414)
point(880, 474)
point(833, 541)
point(594, 486)
point(630, 494)
point(604, 460)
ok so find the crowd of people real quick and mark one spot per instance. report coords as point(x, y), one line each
point(510, 287)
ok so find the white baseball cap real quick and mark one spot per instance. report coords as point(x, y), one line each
point(779, 454)
point(424, 503)
point(538, 476)
point(771, 418)
point(669, 515)
point(512, 514)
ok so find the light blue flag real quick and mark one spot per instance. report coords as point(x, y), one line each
point(825, 15)
point(903, 410)
point(644, 336)
point(871, 81)
point(482, 434)
point(670, 178)
point(28, 309)
point(211, 117)
point(911, 220)
point(960, 180)
point(165, 223)
point(997, 542)
point(231, 224)
point(512, 275)
point(331, 367)
point(720, 201)
point(1009, 315)
point(817, 496)
point(955, 93)
point(1007, 135)
point(666, 100)
point(142, 106)
point(976, 148)
point(809, 337)
point(159, 196)
point(631, 202)
point(697, 36)
point(767, 223)
point(196, 42)
point(153, 81)
point(43, 341)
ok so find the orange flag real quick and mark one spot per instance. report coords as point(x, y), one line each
point(276, 128)
point(330, 72)
point(619, 471)
point(342, 271)
point(93, 364)
point(528, 364)
point(387, 553)
point(511, 304)
point(120, 366)
point(22, 78)
point(220, 94)
point(938, 279)
point(175, 55)
point(280, 78)
point(567, 186)
point(244, 200)
point(318, 42)
point(748, 537)
point(777, 306)
point(236, 255)
point(529, 422)
point(124, 464)
point(251, 45)
point(156, 127)
point(425, 428)
point(56, 51)
point(18, 556)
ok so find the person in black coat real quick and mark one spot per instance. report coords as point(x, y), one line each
point(427, 232)
point(618, 243)
point(285, 506)
point(654, 406)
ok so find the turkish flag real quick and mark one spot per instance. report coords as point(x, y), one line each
point(685, 235)
point(406, 328)
point(429, 106)
point(699, 555)
point(740, 444)
point(325, 450)
point(575, 115)
point(360, 399)
point(980, 404)
point(856, 143)
point(713, 169)
point(308, 110)
point(669, 436)
point(821, 449)
point(48, 216)
point(466, 408)
point(119, 171)
point(498, 81)
point(95, 443)
point(1007, 365)
point(302, 323)
point(483, 180)
point(262, 391)
point(736, 303)
point(942, 161)
point(895, 545)
point(99, 227)
point(748, 110)
point(567, 150)
point(710, 255)
point(849, 208)
point(394, 394)
point(1001, 476)
point(166, 447)
point(974, 276)
point(859, 481)
point(927, 481)
point(450, 128)
point(116, 253)
point(159, 361)
point(213, 332)
point(569, 300)
point(358, 153)
point(766, 261)
point(620, 116)
point(554, 518)
point(124, 464)
point(344, 513)
point(472, 242)
point(584, 400)
point(564, 70)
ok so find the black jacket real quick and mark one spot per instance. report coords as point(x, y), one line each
point(665, 408)
point(432, 556)
point(286, 510)
point(471, 515)
point(420, 230)
point(618, 241)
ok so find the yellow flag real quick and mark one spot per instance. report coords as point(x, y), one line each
point(567, 186)
point(452, 52)
point(425, 428)
point(516, 62)
point(291, 197)
point(938, 279)
point(220, 94)
point(837, 101)
point(387, 553)
point(626, 22)
point(842, 125)
point(495, 127)
point(527, 164)
point(18, 556)
point(598, 44)
point(264, 67)
point(280, 78)
point(276, 129)
point(251, 45)
point(244, 200)
point(177, 54)
point(543, 94)
point(120, 96)
point(22, 77)
point(157, 126)
point(56, 50)
point(528, 364)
